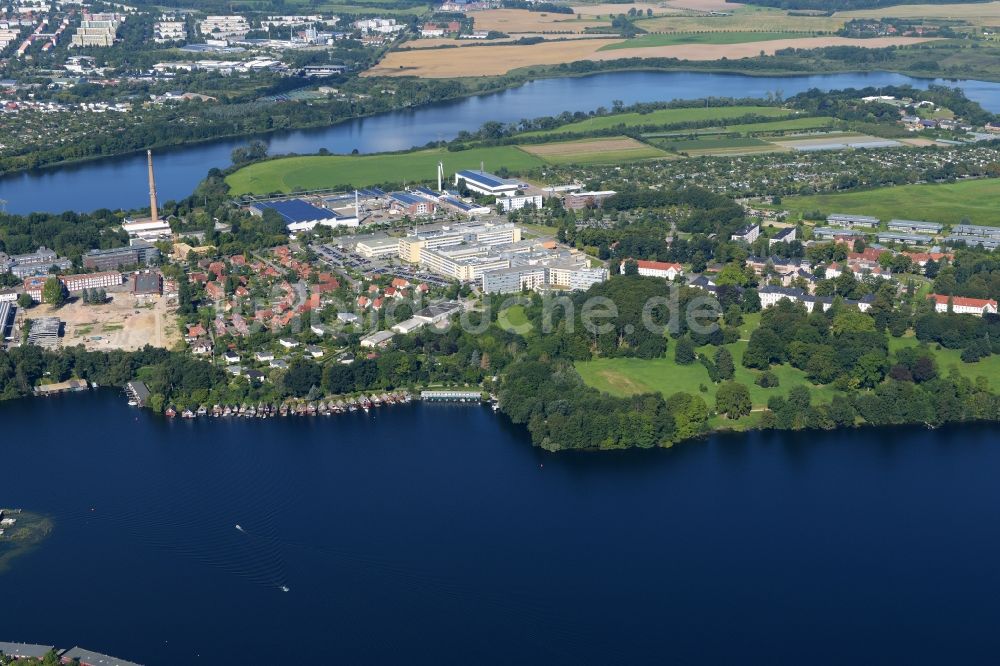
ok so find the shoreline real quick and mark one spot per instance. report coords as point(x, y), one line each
point(503, 86)
point(718, 431)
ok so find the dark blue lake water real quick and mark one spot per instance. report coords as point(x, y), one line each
point(121, 182)
point(437, 535)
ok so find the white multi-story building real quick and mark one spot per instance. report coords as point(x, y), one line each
point(224, 27)
point(509, 203)
point(964, 305)
point(91, 281)
point(97, 30)
point(660, 269)
point(169, 31)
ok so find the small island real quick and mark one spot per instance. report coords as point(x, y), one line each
point(20, 532)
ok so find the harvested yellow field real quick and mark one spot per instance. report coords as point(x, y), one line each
point(606, 8)
point(704, 5)
point(985, 13)
point(436, 42)
point(485, 60)
point(500, 59)
point(594, 151)
point(516, 21)
point(748, 19)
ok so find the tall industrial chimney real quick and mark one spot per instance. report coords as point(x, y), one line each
point(440, 176)
point(154, 214)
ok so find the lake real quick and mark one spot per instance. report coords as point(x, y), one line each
point(434, 534)
point(121, 182)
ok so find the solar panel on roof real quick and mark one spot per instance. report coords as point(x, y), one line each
point(481, 177)
point(296, 210)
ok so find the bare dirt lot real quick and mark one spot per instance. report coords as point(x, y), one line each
point(122, 323)
point(500, 59)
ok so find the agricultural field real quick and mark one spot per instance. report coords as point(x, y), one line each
point(712, 145)
point(979, 14)
point(315, 172)
point(745, 19)
point(677, 38)
point(834, 141)
point(595, 151)
point(498, 59)
point(512, 21)
point(946, 203)
point(666, 117)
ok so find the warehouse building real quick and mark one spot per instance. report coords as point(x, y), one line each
point(299, 215)
point(489, 184)
point(377, 247)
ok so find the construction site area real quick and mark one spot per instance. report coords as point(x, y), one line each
point(124, 322)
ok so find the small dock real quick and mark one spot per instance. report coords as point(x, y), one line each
point(451, 396)
point(62, 387)
point(137, 392)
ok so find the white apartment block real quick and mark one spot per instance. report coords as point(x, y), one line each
point(224, 27)
point(169, 31)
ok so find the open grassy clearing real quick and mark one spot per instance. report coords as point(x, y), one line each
point(672, 39)
point(665, 117)
point(946, 203)
point(947, 359)
point(313, 172)
point(628, 376)
point(595, 151)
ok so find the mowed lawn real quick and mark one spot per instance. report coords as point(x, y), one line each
point(675, 38)
point(666, 117)
point(945, 203)
point(628, 376)
point(595, 151)
point(318, 171)
point(947, 359)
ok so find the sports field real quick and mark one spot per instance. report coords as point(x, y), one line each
point(594, 151)
point(666, 117)
point(945, 203)
point(675, 38)
point(315, 172)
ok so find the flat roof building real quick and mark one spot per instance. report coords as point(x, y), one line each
point(908, 238)
point(484, 182)
point(853, 221)
point(914, 226)
point(299, 215)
